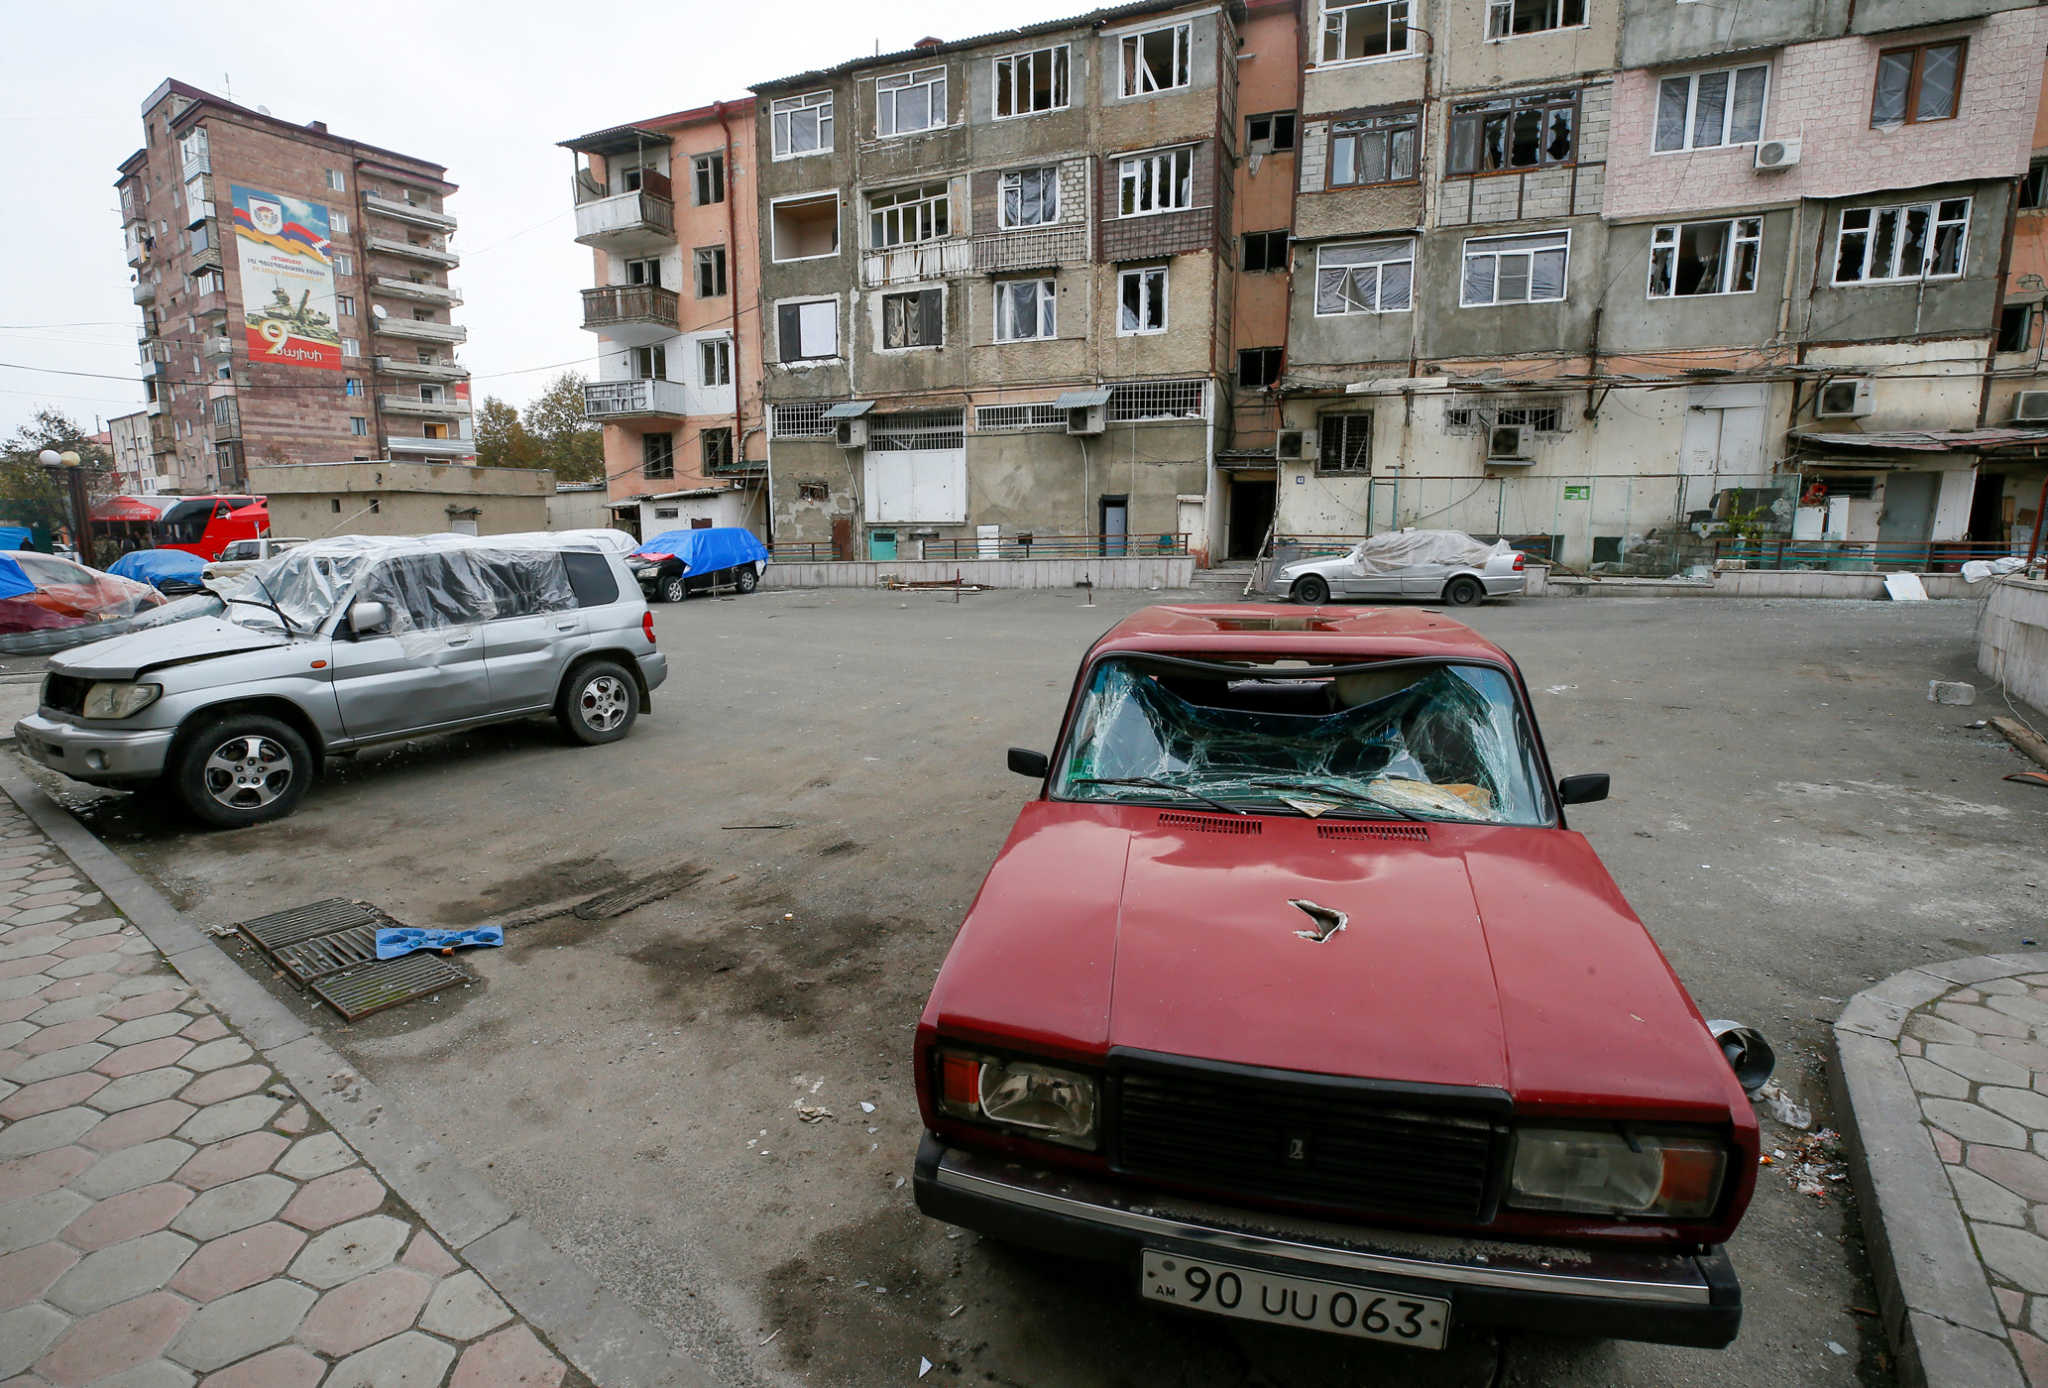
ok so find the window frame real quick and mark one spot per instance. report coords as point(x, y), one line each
point(930, 78)
point(1379, 277)
point(838, 229)
point(920, 295)
point(1507, 7)
point(1564, 280)
point(712, 258)
point(1334, 423)
point(1128, 164)
point(1270, 142)
point(714, 448)
point(1048, 308)
point(1692, 96)
point(1735, 239)
point(1340, 12)
point(707, 167)
point(1935, 222)
point(782, 356)
point(658, 470)
point(1131, 42)
point(911, 198)
point(649, 363)
point(1278, 357)
point(714, 359)
point(781, 125)
point(1910, 109)
point(1271, 265)
point(2033, 190)
point(1544, 101)
point(1063, 80)
point(1144, 273)
point(1003, 181)
point(2027, 313)
point(1385, 124)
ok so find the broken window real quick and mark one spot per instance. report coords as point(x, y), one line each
point(1691, 258)
point(908, 215)
point(1514, 132)
point(2015, 327)
point(1344, 443)
point(917, 319)
point(1030, 197)
point(807, 331)
point(1925, 240)
point(710, 261)
point(1916, 84)
point(801, 124)
point(812, 491)
point(1515, 269)
point(1024, 310)
point(1705, 110)
point(716, 447)
point(707, 178)
point(1374, 149)
point(1156, 60)
point(1141, 301)
point(643, 271)
point(714, 362)
point(1507, 18)
point(657, 455)
point(804, 228)
point(1162, 182)
point(1366, 277)
point(2034, 187)
point(1371, 29)
point(910, 102)
point(1027, 83)
point(1264, 250)
point(1269, 131)
point(1258, 367)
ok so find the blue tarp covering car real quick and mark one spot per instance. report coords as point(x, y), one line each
point(676, 563)
point(168, 570)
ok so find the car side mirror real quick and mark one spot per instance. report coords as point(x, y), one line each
point(369, 618)
point(1026, 762)
point(1582, 790)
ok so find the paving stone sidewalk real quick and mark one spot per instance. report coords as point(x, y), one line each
point(171, 1214)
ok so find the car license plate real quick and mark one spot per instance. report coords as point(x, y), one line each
point(1417, 1321)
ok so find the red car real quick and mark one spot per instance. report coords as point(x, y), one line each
point(1293, 993)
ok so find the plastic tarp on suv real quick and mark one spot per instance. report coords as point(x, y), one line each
point(1404, 549)
point(706, 551)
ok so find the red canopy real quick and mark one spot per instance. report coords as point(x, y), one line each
point(133, 508)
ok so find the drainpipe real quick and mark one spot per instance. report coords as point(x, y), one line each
point(732, 291)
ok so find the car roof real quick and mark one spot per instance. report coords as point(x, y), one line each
point(1364, 633)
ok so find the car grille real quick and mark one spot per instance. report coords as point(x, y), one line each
point(65, 693)
point(1314, 1141)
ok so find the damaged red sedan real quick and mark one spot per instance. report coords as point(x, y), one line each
point(1293, 993)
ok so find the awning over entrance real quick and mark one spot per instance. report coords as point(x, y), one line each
point(849, 409)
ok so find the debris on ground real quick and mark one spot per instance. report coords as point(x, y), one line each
point(866, 1107)
point(924, 1366)
point(1951, 692)
point(812, 1113)
point(2029, 778)
point(1903, 587)
point(1784, 1107)
point(636, 892)
point(393, 941)
point(1814, 1165)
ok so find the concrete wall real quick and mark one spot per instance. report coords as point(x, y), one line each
point(1918, 308)
point(316, 499)
point(1633, 321)
point(578, 510)
point(1168, 571)
point(1469, 61)
point(1744, 583)
point(1656, 32)
point(736, 508)
point(2012, 639)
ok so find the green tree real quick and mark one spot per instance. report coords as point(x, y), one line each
point(29, 492)
point(567, 442)
point(501, 440)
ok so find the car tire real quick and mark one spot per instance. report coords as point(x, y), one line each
point(747, 580)
point(599, 703)
point(1464, 591)
point(674, 589)
point(1313, 590)
point(241, 769)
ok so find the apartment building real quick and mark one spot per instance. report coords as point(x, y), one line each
point(1606, 271)
point(134, 464)
point(668, 210)
point(294, 291)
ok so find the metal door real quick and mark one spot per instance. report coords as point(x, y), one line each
point(1116, 526)
point(881, 544)
point(1908, 514)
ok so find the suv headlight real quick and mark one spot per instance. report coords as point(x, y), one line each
point(1029, 1097)
point(119, 700)
point(1605, 1171)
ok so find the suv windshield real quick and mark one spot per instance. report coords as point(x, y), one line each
point(304, 584)
point(1422, 739)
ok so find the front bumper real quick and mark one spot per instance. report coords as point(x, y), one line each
point(1623, 1294)
point(98, 756)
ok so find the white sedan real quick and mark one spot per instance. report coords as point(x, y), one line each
point(1448, 566)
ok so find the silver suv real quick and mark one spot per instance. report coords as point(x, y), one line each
point(342, 643)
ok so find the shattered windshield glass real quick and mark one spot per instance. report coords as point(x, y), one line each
point(305, 584)
point(1414, 739)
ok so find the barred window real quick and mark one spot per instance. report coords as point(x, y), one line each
point(1544, 414)
point(804, 419)
point(1345, 443)
point(908, 431)
point(998, 419)
point(1140, 400)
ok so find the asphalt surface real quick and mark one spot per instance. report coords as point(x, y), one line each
point(1790, 816)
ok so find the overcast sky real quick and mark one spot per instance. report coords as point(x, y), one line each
point(486, 89)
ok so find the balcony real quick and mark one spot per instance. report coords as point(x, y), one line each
point(198, 200)
point(400, 211)
point(418, 330)
point(161, 439)
point(907, 264)
point(211, 305)
point(633, 314)
point(1033, 248)
point(145, 292)
point(432, 448)
point(430, 409)
point(138, 239)
point(227, 422)
point(220, 346)
point(394, 245)
point(421, 370)
point(607, 400)
point(392, 287)
point(152, 365)
point(206, 257)
point(641, 222)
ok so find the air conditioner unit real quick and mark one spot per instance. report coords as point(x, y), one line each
point(1506, 444)
point(1776, 154)
point(1087, 419)
point(1845, 397)
point(852, 433)
point(1294, 445)
point(2030, 407)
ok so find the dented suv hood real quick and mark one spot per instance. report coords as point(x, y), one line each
point(1471, 955)
point(180, 643)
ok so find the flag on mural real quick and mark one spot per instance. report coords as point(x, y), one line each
point(287, 280)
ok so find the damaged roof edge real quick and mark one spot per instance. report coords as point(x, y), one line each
point(655, 128)
point(1092, 18)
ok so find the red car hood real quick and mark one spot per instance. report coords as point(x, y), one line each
point(1473, 955)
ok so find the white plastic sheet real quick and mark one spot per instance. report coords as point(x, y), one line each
point(1403, 549)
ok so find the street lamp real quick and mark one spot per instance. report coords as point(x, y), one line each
point(81, 515)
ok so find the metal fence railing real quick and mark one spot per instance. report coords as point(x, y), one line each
point(1928, 556)
point(1019, 546)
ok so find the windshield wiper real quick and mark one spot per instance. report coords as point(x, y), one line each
point(1156, 784)
point(289, 626)
point(1351, 793)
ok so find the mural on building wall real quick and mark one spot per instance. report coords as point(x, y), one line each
point(287, 280)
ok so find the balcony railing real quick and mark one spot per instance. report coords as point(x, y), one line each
point(1917, 556)
point(394, 245)
point(419, 330)
point(639, 220)
point(432, 409)
point(905, 264)
point(145, 292)
point(632, 400)
point(438, 448)
point(635, 314)
point(408, 212)
point(1030, 249)
point(421, 370)
point(390, 286)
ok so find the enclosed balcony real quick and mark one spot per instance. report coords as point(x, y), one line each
point(633, 314)
point(431, 409)
point(641, 221)
point(405, 368)
point(621, 400)
point(205, 249)
point(392, 287)
point(419, 330)
point(413, 250)
point(412, 213)
point(210, 305)
point(145, 292)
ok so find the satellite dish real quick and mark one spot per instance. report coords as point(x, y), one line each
point(377, 311)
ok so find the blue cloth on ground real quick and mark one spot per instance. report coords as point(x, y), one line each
point(153, 566)
point(393, 941)
point(706, 551)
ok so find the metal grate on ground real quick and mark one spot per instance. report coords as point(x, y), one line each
point(371, 988)
point(331, 947)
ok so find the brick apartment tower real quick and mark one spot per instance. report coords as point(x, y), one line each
point(294, 294)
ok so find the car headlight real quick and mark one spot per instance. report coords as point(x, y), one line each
point(1605, 1171)
point(119, 700)
point(1029, 1097)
